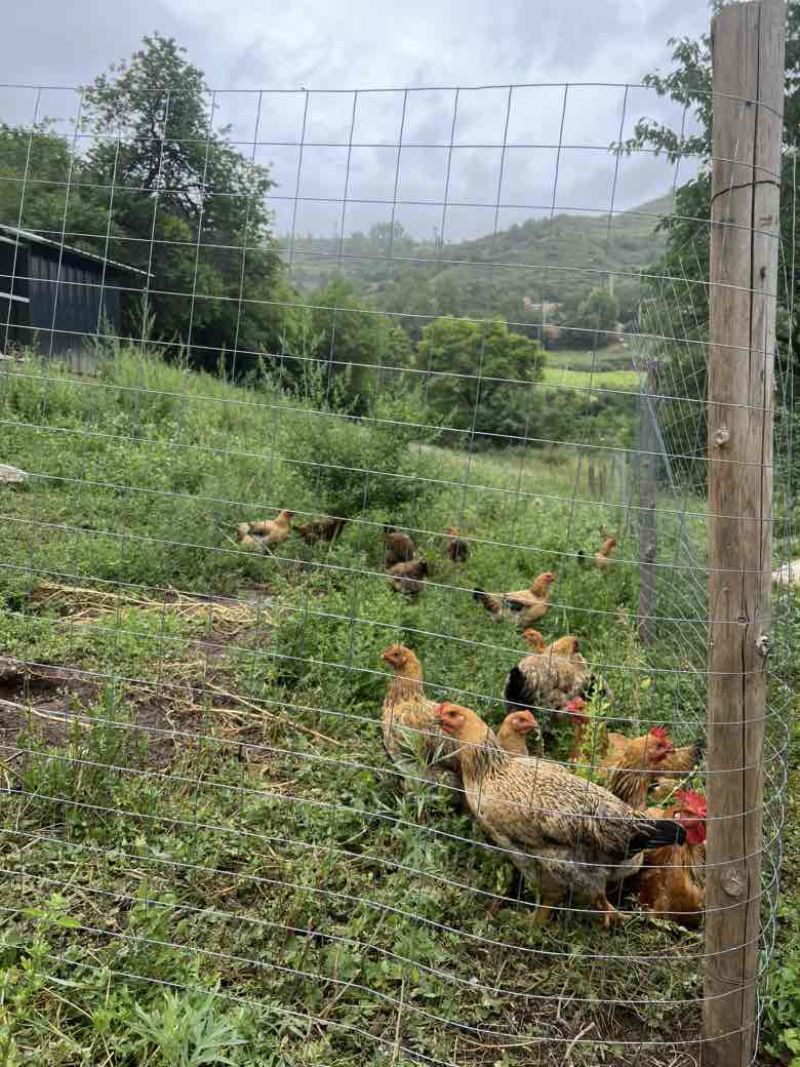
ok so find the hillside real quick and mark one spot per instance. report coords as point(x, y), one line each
point(503, 273)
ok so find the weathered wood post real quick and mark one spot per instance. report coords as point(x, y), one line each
point(748, 62)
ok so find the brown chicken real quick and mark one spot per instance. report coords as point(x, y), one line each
point(567, 836)
point(602, 559)
point(265, 535)
point(676, 768)
point(522, 607)
point(320, 530)
point(672, 880)
point(630, 773)
point(399, 547)
point(682, 761)
point(457, 547)
point(411, 736)
point(409, 578)
point(515, 729)
point(562, 646)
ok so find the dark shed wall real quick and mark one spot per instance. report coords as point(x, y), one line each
point(66, 300)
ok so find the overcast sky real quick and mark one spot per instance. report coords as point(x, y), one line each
point(369, 44)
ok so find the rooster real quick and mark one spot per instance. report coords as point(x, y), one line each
point(409, 577)
point(565, 835)
point(457, 547)
point(671, 882)
point(522, 607)
point(411, 736)
point(515, 729)
point(630, 773)
point(320, 530)
point(399, 547)
point(265, 535)
point(562, 646)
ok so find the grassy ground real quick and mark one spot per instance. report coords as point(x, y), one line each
point(204, 851)
point(618, 380)
point(605, 359)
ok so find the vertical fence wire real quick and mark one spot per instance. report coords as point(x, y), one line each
point(453, 308)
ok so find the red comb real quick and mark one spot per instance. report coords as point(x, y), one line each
point(693, 802)
point(659, 733)
point(576, 704)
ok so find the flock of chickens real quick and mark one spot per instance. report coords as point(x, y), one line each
point(616, 813)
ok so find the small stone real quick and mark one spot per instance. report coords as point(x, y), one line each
point(11, 475)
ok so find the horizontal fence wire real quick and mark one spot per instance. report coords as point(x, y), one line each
point(323, 414)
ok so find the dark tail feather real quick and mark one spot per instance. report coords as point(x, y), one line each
point(655, 834)
point(594, 686)
point(516, 693)
point(487, 600)
point(698, 750)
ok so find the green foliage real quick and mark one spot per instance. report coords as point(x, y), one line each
point(476, 278)
point(476, 373)
point(186, 1031)
point(596, 319)
point(352, 338)
point(153, 133)
point(677, 307)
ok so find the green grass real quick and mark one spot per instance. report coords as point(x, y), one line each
point(619, 380)
point(216, 814)
point(605, 359)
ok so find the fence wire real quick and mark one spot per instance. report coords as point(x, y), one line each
point(440, 327)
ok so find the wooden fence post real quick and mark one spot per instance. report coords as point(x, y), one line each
point(748, 62)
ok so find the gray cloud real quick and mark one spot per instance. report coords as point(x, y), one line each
point(364, 43)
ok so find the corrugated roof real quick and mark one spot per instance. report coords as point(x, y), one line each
point(28, 235)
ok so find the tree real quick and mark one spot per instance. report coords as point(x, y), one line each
point(35, 165)
point(186, 205)
point(475, 372)
point(677, 308)
point(596, 319)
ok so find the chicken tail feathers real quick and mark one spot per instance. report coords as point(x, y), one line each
point(490, 602)
point(594, 686)
point(656, 834)
point(516, 694)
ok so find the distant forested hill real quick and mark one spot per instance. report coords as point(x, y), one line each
point(557, 260)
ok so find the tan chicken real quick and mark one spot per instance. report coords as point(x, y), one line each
point(409, 578)
point(320, 530)
point(399, 547)
point(671, 883)
point(562, 646)
point(514, 732)
point(457, 547)
point(546, 682)
point(630, 773)
point(567, 836)
point(523, 607)
point(411, 735)
point(602, 558)
point(265, 535)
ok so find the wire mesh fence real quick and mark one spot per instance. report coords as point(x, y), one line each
point(295, 385)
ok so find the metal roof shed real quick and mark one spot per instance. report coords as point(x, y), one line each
point(54, 296)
